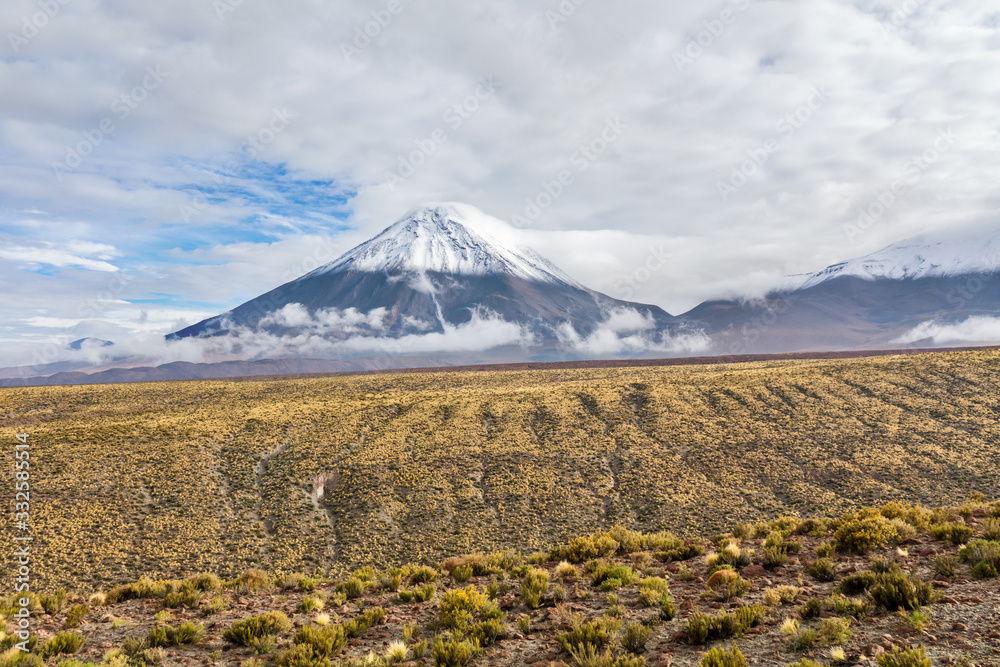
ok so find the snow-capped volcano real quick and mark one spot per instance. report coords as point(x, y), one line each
point(446, 238)
point(961, 253)
point(445, 277)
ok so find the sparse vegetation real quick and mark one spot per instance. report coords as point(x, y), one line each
point(317, 495)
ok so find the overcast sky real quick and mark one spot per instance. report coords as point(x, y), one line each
point(162, 162)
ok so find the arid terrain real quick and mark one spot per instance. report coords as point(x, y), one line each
point(363, 486)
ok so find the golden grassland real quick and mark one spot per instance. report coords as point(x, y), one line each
point(325, 475)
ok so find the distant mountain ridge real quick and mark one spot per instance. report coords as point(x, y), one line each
point(880, 300)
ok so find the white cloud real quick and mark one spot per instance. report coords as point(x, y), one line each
point(893, 86)
point(71, 254)
point(973, 330)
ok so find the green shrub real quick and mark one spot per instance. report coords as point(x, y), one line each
point(727, 588)
point(580, 549)
point(991, 530)
point(533, 587)
point(908, 657)
point(360, 625)
point(805, 639)
point(254, 579)
point(719, 657)
point(604, 571)
point(812, 608)
point(750, 616)
point(453, 652)
point(834, 631)
point(859, 535)
point(21, 659)
point(422, 594)
point(825, 550)
point(462, 573)
point(301, 655)
point(598, 633)
point(486, 633)
point(980, 550)
point(845, 606)
point(461, 608)
point(857, 583)
point(822, 570)
point(308, 584)
point(634, 637)
point(255, 627)
point(423, 575)
point(806, 662)
point(186, 633)
point(953, 533)
point(702, 628)
point(143, 588)
point(188, 597)
point(775, 556)
point(897, 591)
point(680, 553)
point(76, 614)
point(67, 641)
point(668, 610)
point(352, 587)
point(984, 569)
point(322, 641)
point(504, 561)
point(214, 606)
point(54, 603)
point(945, 565)
point(205, 582)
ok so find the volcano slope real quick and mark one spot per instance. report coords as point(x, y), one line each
point(325, 475)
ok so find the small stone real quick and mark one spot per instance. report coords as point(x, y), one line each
point(959, 627)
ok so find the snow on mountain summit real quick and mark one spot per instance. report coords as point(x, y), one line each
point(925, 256)
point(447, 238)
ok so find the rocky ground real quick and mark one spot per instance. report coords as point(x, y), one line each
point(961, 625)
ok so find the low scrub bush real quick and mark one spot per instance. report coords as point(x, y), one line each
point(68, 641)
point(953, 533)
point(533, 587)
point(861, 534)
point(244, 632)
point(908, 657)
point(719, 657)
point(634, 637)
point(454, 652)
point(822, 570)
point(598, 633)
point(897, 591)
point(321, 641)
